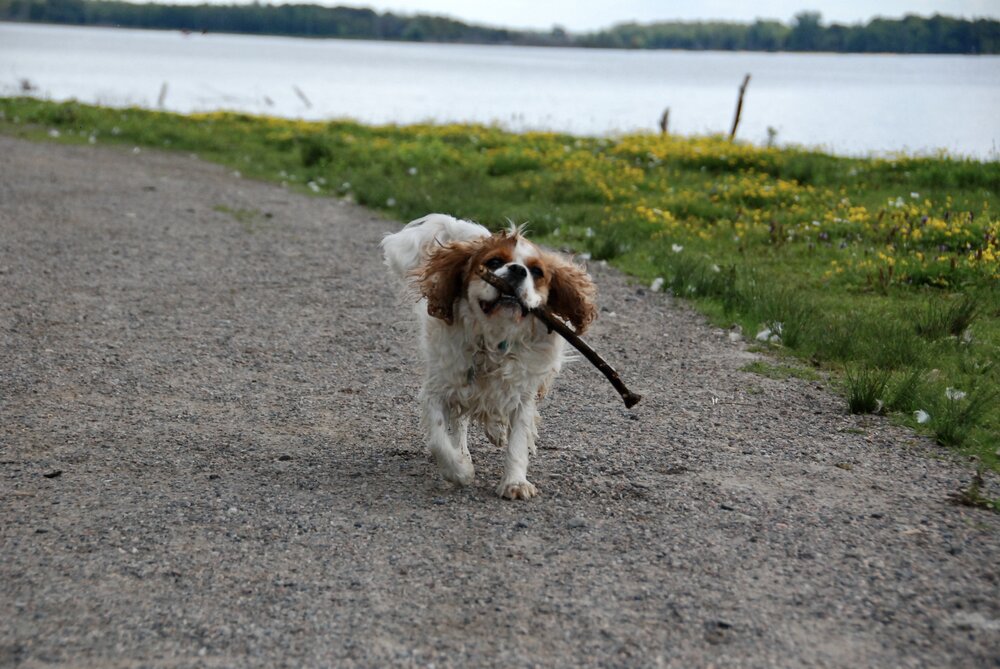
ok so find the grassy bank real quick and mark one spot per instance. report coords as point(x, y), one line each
point(884, 272)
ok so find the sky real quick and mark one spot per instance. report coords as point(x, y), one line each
point(586, 15)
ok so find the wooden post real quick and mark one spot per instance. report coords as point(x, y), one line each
point(664, 121)
point(739, 107)
point(302, 96)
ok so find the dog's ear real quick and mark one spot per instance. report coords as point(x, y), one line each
point(572, 294)
point(443, 278)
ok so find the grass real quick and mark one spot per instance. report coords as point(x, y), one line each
point(781, 372)
point(249, 219)
point(882, 272)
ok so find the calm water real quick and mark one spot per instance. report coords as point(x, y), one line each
point(849, 104)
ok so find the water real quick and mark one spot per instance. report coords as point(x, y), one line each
point(848, 104)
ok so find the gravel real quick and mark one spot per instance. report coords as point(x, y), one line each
point(209, 457)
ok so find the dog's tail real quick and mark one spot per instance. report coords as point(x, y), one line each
point(407, 249)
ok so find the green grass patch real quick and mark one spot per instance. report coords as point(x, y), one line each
point(781, 372)
point(249, 219)
point(882, 272)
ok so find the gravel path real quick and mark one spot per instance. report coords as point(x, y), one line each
point(218, 369)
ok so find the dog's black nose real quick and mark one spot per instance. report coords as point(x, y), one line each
point(516, 274)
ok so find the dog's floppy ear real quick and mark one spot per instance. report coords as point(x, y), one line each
point(572, 294)
point(443, 278)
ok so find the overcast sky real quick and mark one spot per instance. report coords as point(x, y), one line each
point(583, 15)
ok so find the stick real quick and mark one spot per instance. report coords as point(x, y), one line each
point(302, 96)
point(665, 121)
point(739, 107)
point(552, 322)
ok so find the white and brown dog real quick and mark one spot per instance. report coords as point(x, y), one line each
point(485, 359)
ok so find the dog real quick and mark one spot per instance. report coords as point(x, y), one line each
point(486, 359)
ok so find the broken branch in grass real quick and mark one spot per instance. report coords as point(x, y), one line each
point(553, 322)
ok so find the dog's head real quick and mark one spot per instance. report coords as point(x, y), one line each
point(539, 278)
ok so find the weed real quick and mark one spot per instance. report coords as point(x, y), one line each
point(958, 412)
point(249, 219)
point(866, 388)
point(780, 372)
point(972, 495)
point(946, 316)
point(903, 391)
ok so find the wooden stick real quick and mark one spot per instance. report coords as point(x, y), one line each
point(302, 96)
point(739, 107)
point(665, 121)
point(553, 322)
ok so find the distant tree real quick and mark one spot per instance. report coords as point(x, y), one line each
point(766, 36)
point(911, 34)
point(806, 32)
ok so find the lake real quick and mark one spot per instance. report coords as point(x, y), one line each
point(847, 104)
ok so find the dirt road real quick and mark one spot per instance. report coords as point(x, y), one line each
point(209, 456)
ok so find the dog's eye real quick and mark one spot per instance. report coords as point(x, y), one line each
point(537, 272)
point(494, 263)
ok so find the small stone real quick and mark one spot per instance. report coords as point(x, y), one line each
point(284, 458)
point(576, 523)
point(440, 500)
point(53, 474)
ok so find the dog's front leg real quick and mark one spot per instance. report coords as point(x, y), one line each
point(520, 443)
point(450, 451)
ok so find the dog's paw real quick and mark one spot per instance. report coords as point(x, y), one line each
point(459, 471)
point(517, 490)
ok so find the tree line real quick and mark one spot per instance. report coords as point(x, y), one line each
point(911, 34)
point(807, 32)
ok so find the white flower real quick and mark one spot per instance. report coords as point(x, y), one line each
point(391, 202)
point(954, 394)
point(676, 248)
point(313, 186)
point(816, 223)
point(412, 171)
point(657, 284)
point(53, 133)
point(915, 195)
point(921, 416)
point(770, 333)
point(589, 232)
point(716, 269)
point(346, 185)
